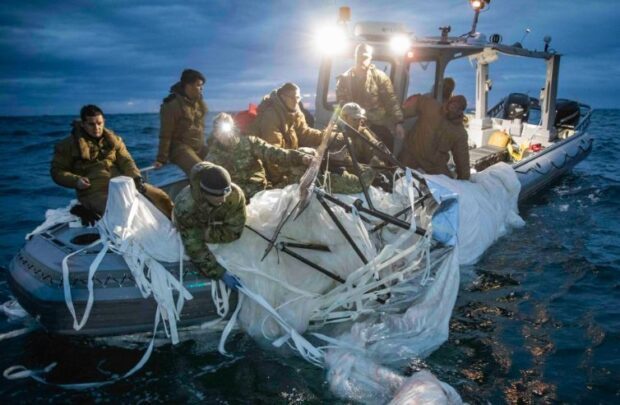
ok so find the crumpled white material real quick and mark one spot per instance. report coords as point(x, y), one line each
point(54, 217)
point(488, 208)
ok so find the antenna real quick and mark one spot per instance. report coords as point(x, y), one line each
point(527, 31)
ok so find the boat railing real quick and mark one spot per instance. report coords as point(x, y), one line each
point(145, 171)
point(585, 112)
point(493, 112)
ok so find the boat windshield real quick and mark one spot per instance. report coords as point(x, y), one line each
point(421, 77)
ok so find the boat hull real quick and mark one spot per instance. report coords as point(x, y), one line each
point(538, 171)
point(35, 277)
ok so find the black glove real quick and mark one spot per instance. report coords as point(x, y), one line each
point(139, 185)
point(87, 216)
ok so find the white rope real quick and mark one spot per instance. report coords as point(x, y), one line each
point(77, 325)
point(19, 372)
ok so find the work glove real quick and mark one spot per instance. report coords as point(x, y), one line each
point(231, 281)
point(139, 184)
point(87, 216)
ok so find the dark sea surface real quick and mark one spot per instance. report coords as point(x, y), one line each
point(537, 319)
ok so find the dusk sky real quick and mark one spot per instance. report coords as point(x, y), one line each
point(124, 55)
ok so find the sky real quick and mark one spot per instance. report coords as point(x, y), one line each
point(124, 55)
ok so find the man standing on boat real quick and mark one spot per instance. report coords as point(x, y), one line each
point(182, 123)
point(281, 123)
point(88, 158)
point(372, 89)
point(433, 149)
point(428, 111)
point(211, 209)
point(245, 157)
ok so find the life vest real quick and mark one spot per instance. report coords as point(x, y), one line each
point(243, 119)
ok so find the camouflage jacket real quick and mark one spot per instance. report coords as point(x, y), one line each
point(181, 121)
point(364, 152)
point(200, 223)
point(279, 126)
point(80, 155)
point(375, 94)
point(246, 159)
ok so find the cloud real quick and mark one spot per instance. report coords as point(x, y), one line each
point(57, 56)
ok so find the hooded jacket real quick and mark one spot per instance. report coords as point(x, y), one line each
point(279, 126)
point(420, 145)
point(181, 121)
point(452, 138)
point(374, 93)
point(434, 137)
point(200, 223)
point(98, 159)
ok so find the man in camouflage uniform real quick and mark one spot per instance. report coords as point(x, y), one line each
point(182, 115)
point(245, 157)
point(372, 89)
point(88, 158)
point(353, 121)
point(281, 123)
point(211, 209)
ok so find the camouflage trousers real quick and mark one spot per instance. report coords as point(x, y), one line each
point(342, 182)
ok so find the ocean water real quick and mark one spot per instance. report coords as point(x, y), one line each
point(537, 319)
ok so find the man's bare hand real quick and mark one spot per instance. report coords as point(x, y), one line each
point(83, 183)
point(307, 160)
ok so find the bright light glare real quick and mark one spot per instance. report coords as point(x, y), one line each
point(400, 44)
point(225, 127)
point(476, 4)
point(331, 40)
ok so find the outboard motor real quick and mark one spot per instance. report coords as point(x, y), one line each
point(517, 106)
point(567, 113)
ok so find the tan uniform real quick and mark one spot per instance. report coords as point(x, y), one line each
point(452, 138)
point(99, 160)
point(182, 130)
point(279, 126)
point(419, 147)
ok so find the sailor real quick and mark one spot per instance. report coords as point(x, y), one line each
point(211, 209)
point(452, 137)
point(182, 115)
point(428, 110)
point(88, 158)
point(449, 138)
point(245, 157)
point(353, 122)
point(281, 123)
point(372, 89)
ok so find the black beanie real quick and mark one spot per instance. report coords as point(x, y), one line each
point(190, 76)
point(215, 180)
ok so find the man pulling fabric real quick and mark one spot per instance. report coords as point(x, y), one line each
point(245, 157)
point(211, 209)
